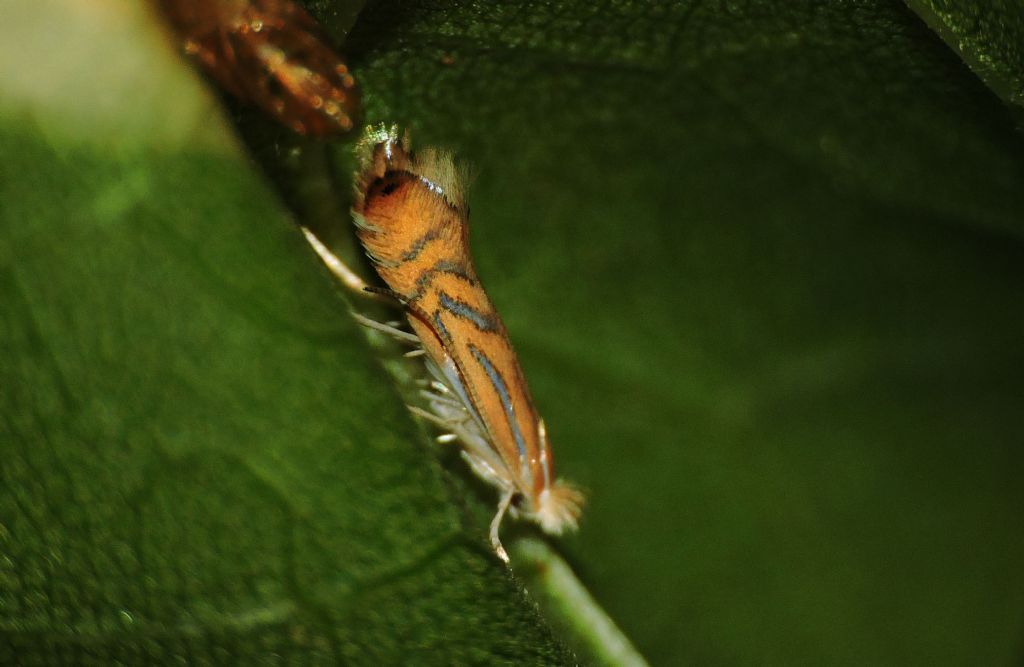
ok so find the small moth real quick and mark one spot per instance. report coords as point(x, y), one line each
point(412, 219)
point(272, 54)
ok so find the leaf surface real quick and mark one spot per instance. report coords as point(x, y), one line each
point(202, 459)
point(762, 263)
point(989, 36)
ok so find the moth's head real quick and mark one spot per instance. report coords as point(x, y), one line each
point(384, 152)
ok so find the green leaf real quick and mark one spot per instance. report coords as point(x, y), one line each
point(202, 461)
point(763, 265)
point(989, 36)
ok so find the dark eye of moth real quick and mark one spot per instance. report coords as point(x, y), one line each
point(272, 54)
point(387, 184)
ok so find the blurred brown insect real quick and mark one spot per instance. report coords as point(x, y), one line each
point(273, 54)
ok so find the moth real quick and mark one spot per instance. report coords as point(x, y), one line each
point(411, 216)
point(273, 54)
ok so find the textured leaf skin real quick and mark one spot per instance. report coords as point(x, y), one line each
point(989, 36)
point(763, 264)
point(202, 460)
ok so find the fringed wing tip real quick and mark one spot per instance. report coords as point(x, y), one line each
point(559, 508)
point(439, 168)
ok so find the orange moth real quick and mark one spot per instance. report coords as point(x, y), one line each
point(273, 54)
point(411, 217)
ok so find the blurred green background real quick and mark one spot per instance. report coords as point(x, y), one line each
point(762, 262)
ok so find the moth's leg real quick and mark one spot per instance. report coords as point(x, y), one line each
point(404, 336)
point(429, 416)
point(347, 276)
point(503, 505)
point(351, 280)
point(508, 492)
